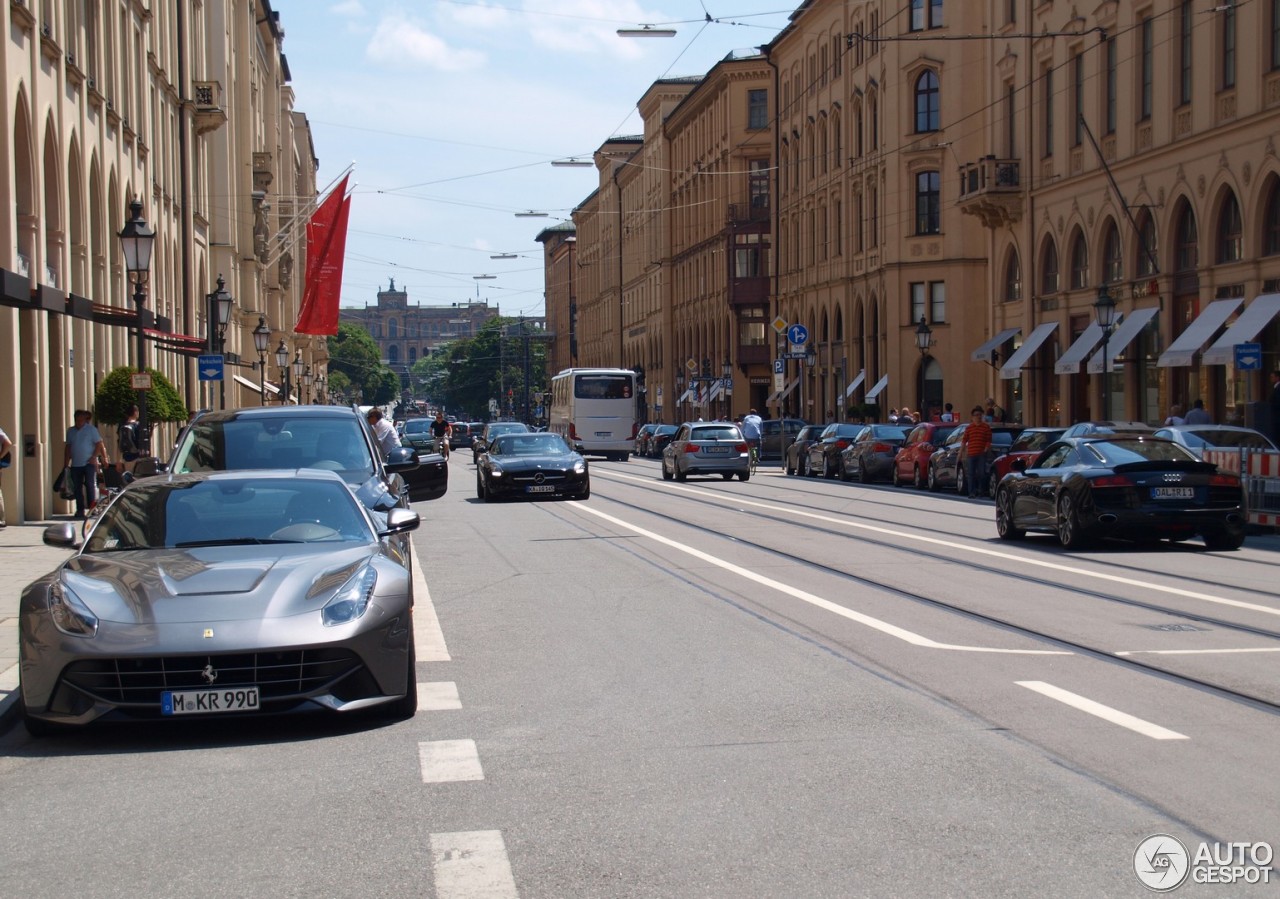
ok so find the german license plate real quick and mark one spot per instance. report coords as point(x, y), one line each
point(209, 702)
point(540, 488)
point(1173, 493)
point(604, 433)
point(717, 451)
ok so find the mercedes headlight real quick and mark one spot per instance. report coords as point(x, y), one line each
point(580, 467)
point(352, 598)
point(495, 471)
point(69, 613)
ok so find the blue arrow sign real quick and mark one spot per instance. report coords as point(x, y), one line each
point(798, 334)
point(210, 368)
point(1248, 356)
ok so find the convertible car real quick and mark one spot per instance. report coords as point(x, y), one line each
point(221, 595)
point(531, 465)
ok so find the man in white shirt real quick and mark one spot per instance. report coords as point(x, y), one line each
point(383, 431)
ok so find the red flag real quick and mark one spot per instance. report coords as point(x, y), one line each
point(326, 249)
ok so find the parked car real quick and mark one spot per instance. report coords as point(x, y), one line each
point(658, 442)
point(776, 434)
point(870, 456)
point(824, 453)
point(1029, 443)
point(947, 463)
point(531, 465)
point(493, 429)
point(642, 438)
point(221, 594)
point(1126, 485)
point(706, 447)
point(1105, 428)
point(911, 462)
point(1198, 438)
point(796, 455)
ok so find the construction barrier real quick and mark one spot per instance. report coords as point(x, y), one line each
point(1259, 472)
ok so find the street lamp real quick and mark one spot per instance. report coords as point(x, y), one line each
point(1105, 310)
point(282, 360)
point(306, 382)
point(321, 397)
point(807, 386)
point(298, 365)
point(924, 340)
point(137, 240)
point(261, 338)
point(727, 386)
point(220, 303)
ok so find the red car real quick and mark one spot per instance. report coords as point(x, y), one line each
point(1028, 445)
point(912, 461)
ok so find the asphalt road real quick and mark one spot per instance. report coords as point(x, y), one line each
point(783, 688)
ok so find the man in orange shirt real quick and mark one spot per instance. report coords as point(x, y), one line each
point(974, 443)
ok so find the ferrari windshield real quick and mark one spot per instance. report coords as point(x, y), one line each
point(189, 512)
point(278, 442)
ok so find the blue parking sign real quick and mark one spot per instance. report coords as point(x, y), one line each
point(1248, 356)
point(210, 368)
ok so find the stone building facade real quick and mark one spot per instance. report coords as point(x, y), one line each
point(951, 187)
point(187, 109)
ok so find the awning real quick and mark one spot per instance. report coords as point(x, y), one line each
point(1134, 322)
point(1013, 368)
point(783, 393)
point(716, 390)
point(684, 397)
point(987, 351)
point(1069, 362)
point(853, 385)
point(880, 385)
point(1183, 350)
point(1256, 316)
point(245, 382)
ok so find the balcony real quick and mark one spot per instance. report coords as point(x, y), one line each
point(991, 189)
point(210, 114)
point(747, 213)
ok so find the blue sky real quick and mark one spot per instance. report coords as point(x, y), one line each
point(452, 111)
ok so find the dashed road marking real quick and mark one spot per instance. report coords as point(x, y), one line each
point(472, 865)
point(1105, 712)
point(428, 639)
point(449, 761)
point(438, 696)
point(1193, 652)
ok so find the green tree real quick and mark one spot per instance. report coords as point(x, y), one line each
point(340, 385)
point(116, 394)
point(382, 387)
point(353, 353)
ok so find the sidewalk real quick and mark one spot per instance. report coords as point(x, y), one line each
point(23, 558)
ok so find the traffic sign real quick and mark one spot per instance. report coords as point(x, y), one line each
point(798, 334)
point(778, 366)
point(1248, 356)
point(692, 365)
point(780, 324)
point(140, 380)
point(210, 368)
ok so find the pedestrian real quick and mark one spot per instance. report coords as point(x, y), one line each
point(130, 447)
point(948, 414)
point(383, 431)
point(1275, 406)
point(906, 416)
point(831, 416)
point(1175, 416)
point(994, 413)
point(974, 443)
point(1198, 414)
point(84, 448)
point(893, 416)
point(6, 459)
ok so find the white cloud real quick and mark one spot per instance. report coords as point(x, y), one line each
point(478, 16)
point(349, 8)
point(398, 43)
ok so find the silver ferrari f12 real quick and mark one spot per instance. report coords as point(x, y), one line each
point(221, 594)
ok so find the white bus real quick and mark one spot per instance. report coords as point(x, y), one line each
point(595, 410)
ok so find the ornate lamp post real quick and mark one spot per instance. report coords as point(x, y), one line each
point(306, 383)
point(298, 365)
point(726, 371)
point(1105, 310)
point(807, 387)
point(262, 337)
point(220, 303)
point(137, 240)
point(321, 396)
point(924, 340)
point(679, 397)
point(282, 360)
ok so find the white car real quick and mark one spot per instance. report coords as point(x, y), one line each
point(1198, 438)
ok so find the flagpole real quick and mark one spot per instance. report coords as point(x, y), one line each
point(289, 233)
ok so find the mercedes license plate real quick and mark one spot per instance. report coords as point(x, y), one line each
point(206, 702)
point(540, 488)
point(1173, 493)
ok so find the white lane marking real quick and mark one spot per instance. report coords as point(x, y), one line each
point(1105, 712)
point(964, 547)
point(428, 639)
point(1191, 652)
point(448, 761)
point(9, 679)
point(472, 865)
point(438, 696)
point(874, 623)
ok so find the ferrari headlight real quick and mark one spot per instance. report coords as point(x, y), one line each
point(69, 613)
point(352, 598)
point(579, 467)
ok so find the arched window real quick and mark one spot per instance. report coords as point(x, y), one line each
point(1271, 221)
point(413, 354)
point(1049, 271)
point(1230, 231)
point(393, 329)
point(1013, 278)
point(1112, 256)
point(393, 354)
point(927, 114)
point(1147, 257)
point(1079, 262)
point(1186, 248)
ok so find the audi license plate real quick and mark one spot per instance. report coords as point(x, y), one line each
point(1173, 493)
point(540, 488)
point(206, 702)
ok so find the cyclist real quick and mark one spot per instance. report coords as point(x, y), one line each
point(442, 430)
point(751, 425)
